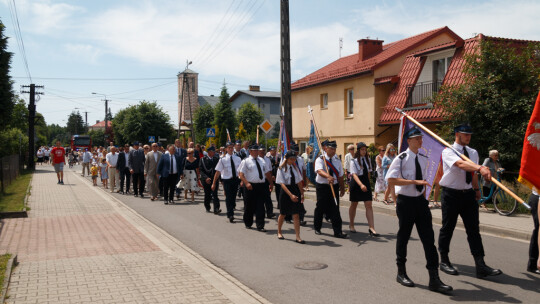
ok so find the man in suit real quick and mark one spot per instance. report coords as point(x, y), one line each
point(168, 170)
point(150, 170)
point(136, 162)
point(123, 168)
point(181, 153)
point(207, 169)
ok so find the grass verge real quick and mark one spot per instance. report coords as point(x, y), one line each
point(4, 258)
point(13, 198)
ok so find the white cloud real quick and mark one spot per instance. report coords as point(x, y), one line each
point(84, 52)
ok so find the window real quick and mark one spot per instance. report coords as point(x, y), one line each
point(349, 103)
point(440, 67)
point(324, 101)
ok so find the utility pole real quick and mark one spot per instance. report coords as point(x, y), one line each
point(286, 67)
point(86, 121)
point(31, 121)
point(106, 109)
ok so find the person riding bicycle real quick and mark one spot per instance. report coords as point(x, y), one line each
point(492, 162)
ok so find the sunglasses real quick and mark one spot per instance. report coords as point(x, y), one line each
point(146, 148)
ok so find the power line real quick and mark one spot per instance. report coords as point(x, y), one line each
point(18, 35)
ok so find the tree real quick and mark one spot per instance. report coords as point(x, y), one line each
point(251, 117)
point(57, 132)
point(98, 137)
point(242, 133)
point(224, 117)
point(275, 131)
point(204, 117)
point(75, 123)
point(497, 98)
point(13, 141)
point(7, 99)
point(138, 122)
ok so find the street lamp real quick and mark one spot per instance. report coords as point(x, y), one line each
point(106, 109)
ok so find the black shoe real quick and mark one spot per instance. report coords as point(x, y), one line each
point(435, 283)
point(216, 212)
point(328, 220)
point(303, 223)
point(483, 270)
point(448, 268)
point(171, 202)
point(288, 222)
point(535, 271)
point(402, 277)
point(271, 216)
point(318, 232)
point(136, 195)
point(166, 202)
point(261, 229)
point(208, 210)
point(371, 233)
point(231, 220)
point(281, 237)
point(341, 235)
point(300, 242)
point(248, 227)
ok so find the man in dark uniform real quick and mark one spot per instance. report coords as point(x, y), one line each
point(326, 202)
point(136, 168)
point(268, 205)
point(227, 169)
point(407, 173)
point(274, 160)
point(123, 168)
point(533, 246)
point(241, 153)
point(207, 169)
point(460, 192)
point(253, 171)
point(181, 153)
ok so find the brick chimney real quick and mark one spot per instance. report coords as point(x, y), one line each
point(369, 48)
point(254, 88)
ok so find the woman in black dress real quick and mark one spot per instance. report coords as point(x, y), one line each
point(360, 187)
point(291, 196)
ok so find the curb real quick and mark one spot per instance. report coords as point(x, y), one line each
point(9, 268)
point(484, 228)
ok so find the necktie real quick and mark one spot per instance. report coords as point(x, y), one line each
point(258, 168)
point(293, 180)
point(418, 173)
point(172, 164)
point(468, 175)
point(232, 167)
point(365, 171)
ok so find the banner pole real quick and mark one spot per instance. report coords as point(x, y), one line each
point(465, 158)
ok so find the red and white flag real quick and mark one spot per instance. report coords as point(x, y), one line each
point(529, 173)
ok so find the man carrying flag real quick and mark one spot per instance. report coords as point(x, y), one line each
point(529, 175)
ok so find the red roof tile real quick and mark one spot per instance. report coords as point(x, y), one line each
point(386, 79)
point(350, 66)
point(101, 124)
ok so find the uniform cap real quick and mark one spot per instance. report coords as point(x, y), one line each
point(414, 132)
point(463, 128)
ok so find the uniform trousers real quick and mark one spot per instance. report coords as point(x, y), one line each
point(138, 183)
point(415, 211)
point(254, 204)
point(533, 247)
point(326, 205)
point(169, 183)
point(230, 186)
point(210, 195)
point(268, 200)
point(463, 203)
point(153, 185)
point(125, 176)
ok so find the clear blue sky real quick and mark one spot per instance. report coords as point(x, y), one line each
point(133, 50)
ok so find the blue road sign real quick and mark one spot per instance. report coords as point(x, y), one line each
point(210, 132)
point(151, 139)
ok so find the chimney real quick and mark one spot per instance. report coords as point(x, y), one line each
point(368, 48)
point(97, 121)
point(254, 88)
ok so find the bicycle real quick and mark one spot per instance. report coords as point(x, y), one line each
point(504, 203)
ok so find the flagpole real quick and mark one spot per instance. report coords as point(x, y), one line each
point(228, 135)
point(257, 135)
point(310, 111)
point(465, 158)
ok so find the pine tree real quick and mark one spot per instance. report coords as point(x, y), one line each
point(242, 133)
point(224, 117)
point(7, 100)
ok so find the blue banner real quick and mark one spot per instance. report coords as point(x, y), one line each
point(311, 174)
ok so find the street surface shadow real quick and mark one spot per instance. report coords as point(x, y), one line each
point(481, 294)
point(526, 284)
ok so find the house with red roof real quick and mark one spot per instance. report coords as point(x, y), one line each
point(100, 125)
point(351, 96)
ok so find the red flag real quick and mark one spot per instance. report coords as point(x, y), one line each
point(529, 173)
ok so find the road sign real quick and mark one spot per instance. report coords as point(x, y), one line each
point(210, 132)
point(151, 139)
point(266, 126)
point(161, 139)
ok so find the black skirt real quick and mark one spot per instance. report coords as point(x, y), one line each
point(355, 192)
point(287, 206)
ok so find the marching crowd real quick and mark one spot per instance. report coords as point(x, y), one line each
point(251, 172)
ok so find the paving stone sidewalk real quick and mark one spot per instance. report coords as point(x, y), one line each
point(81, 245)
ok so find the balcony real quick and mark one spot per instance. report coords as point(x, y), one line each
point(421, 93)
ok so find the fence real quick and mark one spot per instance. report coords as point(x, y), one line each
point(10, 169)
point(421, 93)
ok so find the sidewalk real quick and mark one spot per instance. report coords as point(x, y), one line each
point(81, 245)
point(517, 226)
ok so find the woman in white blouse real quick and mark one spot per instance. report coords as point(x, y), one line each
point(291, 196)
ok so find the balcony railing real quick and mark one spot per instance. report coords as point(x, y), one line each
point(420, 94)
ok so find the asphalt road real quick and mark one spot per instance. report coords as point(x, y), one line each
point(361, 269)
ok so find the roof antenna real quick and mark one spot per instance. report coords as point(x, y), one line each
point(340, 46)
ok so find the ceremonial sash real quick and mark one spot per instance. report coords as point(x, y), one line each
point(334, 170)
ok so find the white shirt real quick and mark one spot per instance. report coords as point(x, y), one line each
point(127, 159)
point(249, 168)
point(355, 168)
point(319, 165)
point(224, 166)
point(454, 177)
point(268, 163)
point(47, 152)
point(284, 177)
point(87, 157)
point(39, 153)
point(175, 169)
point(406, 169)
point(301, 165)
point(112, 159)
point(348, 159)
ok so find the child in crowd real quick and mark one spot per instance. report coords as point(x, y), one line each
point(94, 173)
point(104, 173)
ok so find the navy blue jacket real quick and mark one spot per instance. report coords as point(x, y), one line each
point(164, 165)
